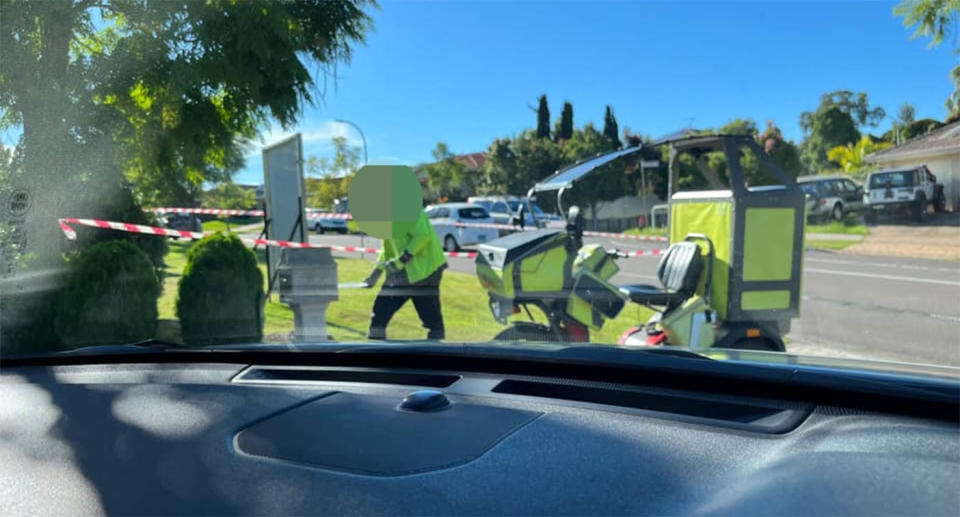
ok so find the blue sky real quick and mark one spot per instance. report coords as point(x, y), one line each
point(465, 72)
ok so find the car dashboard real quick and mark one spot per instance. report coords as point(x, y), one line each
point(240, 438)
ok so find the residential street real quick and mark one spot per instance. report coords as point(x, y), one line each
point(886, 308)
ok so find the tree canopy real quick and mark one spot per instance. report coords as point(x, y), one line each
point(164, 93)
point(921, 127)
point(446, 178)
point(328, 179)
point(937, 20)
point(831, 126)
point(229, 195)
point(564, 129)
point(857, 106)
point(851, 157)
point(543, 118)
point(610, 128)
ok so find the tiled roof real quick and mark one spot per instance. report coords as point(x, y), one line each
point(940, 140)
point(472, 160)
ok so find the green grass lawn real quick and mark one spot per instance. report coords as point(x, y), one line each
point(829, 245)
point(215, 226)
point(850, 225)
point(220, 225)
point(465, 311)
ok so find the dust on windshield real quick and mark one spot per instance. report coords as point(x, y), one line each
point(201, 173)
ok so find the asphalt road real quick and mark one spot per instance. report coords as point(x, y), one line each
point(856, 306)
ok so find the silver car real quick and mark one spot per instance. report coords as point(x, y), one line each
point(831, 197)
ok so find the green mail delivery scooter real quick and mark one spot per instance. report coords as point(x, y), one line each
point(731, 278)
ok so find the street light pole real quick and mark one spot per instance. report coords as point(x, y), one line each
point(362, 137)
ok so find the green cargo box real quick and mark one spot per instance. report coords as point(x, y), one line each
point(757, 235)
point(510, 267)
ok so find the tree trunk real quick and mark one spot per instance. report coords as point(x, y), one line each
point(48, 147)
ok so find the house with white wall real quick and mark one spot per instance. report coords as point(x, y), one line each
point(939, 150)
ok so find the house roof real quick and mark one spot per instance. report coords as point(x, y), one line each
point(944, 140)
point(472, 160)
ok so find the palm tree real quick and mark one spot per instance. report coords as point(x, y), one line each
point(851, 157)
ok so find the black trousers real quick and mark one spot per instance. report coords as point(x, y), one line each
point(426, 300)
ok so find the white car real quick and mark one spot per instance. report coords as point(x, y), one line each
point(504, 209)
point(447, 217)
point(903, 191)
point(318, 224)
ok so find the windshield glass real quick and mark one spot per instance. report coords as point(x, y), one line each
point(473, 213)
point(892, 179)
point(810, 188)
point(206, 173)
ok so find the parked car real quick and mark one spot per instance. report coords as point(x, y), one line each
point(903, 191)
point(503, 209)
point(323, 224)
point(831, 197)
point(444, 219)
point(184, 222)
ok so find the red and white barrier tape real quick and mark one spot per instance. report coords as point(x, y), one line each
point(225, 211)
point(644, 253)
point(71, 234)
point(215, 211)
point(657, 238)
point(611, 235)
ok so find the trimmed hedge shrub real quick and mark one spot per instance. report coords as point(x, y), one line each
point(122, 206)
point(110, 296)
point(26, 315)
point(220, 295)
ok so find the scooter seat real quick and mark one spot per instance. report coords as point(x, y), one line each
point(651, 295)
point(678, 271)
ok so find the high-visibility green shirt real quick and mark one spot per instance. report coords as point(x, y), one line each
point(422, 242)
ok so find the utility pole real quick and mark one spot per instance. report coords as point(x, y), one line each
point(362, 137)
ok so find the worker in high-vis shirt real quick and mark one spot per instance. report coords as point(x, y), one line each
point(414, 263)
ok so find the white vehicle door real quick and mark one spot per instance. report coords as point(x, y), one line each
point(500, 213)
point(441, 222)
point(472, 234)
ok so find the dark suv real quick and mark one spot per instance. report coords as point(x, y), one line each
point(185, 222)
point(831, 196)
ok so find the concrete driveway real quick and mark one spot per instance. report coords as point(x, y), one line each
point(936, 238)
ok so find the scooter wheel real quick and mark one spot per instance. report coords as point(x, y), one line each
point(764, 344)
point(526, 332)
